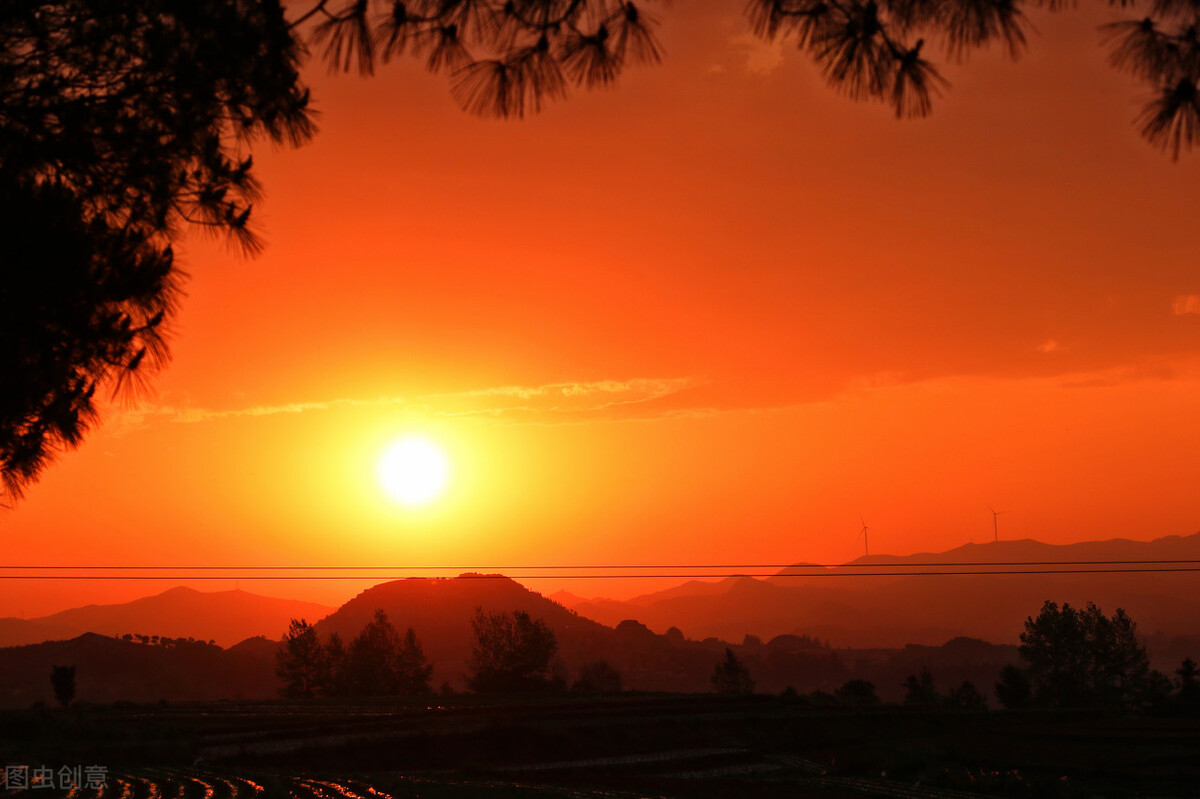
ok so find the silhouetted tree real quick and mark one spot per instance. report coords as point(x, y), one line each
point(730, 676)
point(1187, 697)
point(1013, 689)
point(506, 57)
point(858, 692)
point(120, 124)
point(1155, 694)
point(378, 662)
point(63, 680)
point(333, 680)
point(598, 676)
point(371, 658)
point(966, 696)
point(920, 690)
point(874, 49)
point(300, 662)
point(510, 652)
point(413, 669)
point(1083, 658)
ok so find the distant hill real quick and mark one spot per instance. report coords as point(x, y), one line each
point(881, 628)
point(893, 610)
point(109, 670)
point(225, 617)
point(440, 611)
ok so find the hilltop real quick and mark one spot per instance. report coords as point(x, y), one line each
point(224, 617)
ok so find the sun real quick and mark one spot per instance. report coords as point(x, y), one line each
point(414, 471)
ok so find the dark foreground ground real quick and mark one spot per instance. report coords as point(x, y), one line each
point(621, 746)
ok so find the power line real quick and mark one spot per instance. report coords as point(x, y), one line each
point(605, 567)
point(608, 576)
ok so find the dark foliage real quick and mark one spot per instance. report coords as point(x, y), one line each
point(858, 692)
point(507, 57)
point(510, 652)
point(598, 676)
point(120, 122)
point(301, 662)
point(333, 681)
point(1187, 698)
point(63, 680)
point(165, 641)
point(379, 662)
point(413, 669)
point(730, 676)
point(1082, 658)
point(921, 690)
point(873, 49)
point(1013, 689)
point(966, 696)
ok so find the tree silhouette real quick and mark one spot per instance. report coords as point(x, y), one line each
point(598, 676)
point(506, 57)
point(1013, 689)
point(1188, 697)
point(858, 692)
point(63, 680)
point(120, 124)
point(921, 690)
point(379, 662)
point(873, 49)
point(730, 676)
point(333, 678)
point(300, 662)
point(510, 652)
point(413, 670)
point(966, 696)
point(1083, 658)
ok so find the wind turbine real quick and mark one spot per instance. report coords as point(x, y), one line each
point(863, 534)
point(995, 526)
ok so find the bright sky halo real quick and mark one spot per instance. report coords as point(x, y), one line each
point(414, 471)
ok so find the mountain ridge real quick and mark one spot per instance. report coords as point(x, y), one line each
point(870, 602)
point(179, 612)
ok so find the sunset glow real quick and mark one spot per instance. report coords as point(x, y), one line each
point(719, 313)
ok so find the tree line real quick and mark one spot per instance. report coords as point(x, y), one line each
point(510, 652)
point(1082, 658)
point(165, 641)
point(1071, 658)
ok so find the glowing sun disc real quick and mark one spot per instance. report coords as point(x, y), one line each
point(414, 471)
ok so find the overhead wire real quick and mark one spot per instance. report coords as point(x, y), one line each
point(596, 571)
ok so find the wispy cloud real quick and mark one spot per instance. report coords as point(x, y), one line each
point(762, 57)
point(1186, 304)
point(552, 402)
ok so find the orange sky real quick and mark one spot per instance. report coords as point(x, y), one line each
point(712, 315)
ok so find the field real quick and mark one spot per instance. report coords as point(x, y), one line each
point(620, 746)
